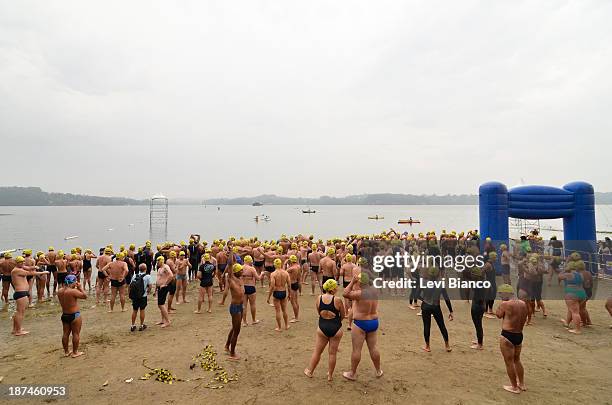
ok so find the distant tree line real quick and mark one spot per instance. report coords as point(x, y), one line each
point(35, 196)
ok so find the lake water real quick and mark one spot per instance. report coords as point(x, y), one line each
point(40, 227)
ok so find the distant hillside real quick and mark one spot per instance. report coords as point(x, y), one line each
point(363, 199)
point(34, 196)
point(369, 199)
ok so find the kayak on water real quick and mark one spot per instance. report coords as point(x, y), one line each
point(408, 221)
point(376, 217)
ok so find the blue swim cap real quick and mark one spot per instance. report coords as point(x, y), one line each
point(70, 279)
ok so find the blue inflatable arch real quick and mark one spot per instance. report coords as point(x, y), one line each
point(575, 203)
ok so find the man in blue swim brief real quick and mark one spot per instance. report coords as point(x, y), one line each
point(365, 318)
point(235, 286)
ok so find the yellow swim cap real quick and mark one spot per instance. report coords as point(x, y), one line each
point(60, 254)
point(362, 261)
point(39, 253)
point(364, 278)
point(206, 256)
point(73, 256)
point(248, 259)
point(493, 256)
point(237, 267)
point(108, 251)
point(183, 243)
point(120, 256)
point(293, 259)
point(73, 250)
point(505, 288)
point(132, 246)
point(348, 257)
point(160, 259)
point(314, 246)
point(182, 253)
point(235, 249)
point(27, 252)
point(278, 263)
point(51, 249)
point(19, 259)
point(330, 285)
point(173, 254)
point(331, 251)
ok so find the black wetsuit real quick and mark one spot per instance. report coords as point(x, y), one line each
point(329, 327)
point(146, 259)
point(194, 258)
point(206, 274)
point(478, 310)
point(415, 291)
point(491, 291)
point(430, 298)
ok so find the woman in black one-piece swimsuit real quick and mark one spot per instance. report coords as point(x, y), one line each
point(331, 312)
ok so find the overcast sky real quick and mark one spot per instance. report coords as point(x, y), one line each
point(238, 98)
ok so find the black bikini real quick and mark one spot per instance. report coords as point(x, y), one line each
point(329, 327)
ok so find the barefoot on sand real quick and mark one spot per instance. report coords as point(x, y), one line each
point(379, 373)
point(234, 357)
point(426, 349)
point(512, 389)
point(77, 354)
point(348, 375)
point(476, 347)
point(307, 373)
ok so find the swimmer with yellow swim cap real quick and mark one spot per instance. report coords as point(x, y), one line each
point(19, 272)
point(295, 271)
point(365, 319)
point(102, 281)
point(249, 279)
point(236, 288)
point(329, 269)
point(513, 313)
point(331, 311)
point(86, 266)
point(117, 271)
point(280, 286)
point(313, 263)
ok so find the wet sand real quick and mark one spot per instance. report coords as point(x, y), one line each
point(560, 367)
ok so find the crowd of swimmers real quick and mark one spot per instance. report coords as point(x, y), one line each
point(291, 266)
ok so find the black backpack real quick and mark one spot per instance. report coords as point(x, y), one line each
point(137, 287)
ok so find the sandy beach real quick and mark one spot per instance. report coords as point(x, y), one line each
point(571, 369)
